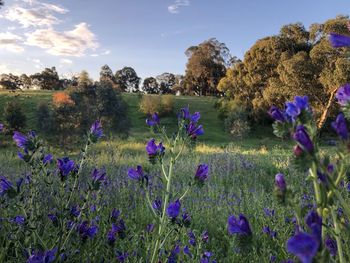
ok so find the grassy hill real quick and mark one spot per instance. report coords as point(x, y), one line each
point(214, 131)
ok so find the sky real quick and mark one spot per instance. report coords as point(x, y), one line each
point(149, 35)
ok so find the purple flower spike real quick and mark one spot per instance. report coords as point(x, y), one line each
point(1, 127)
point(47, 159)
point(96, 131)
point(65, 166)
point(337, 40)
point(280, 182)
point(239, 225)
point(5, 185)
point(154, 120)
point(195, 117)
point(99, 175)
point(154, 151)
point(331, 245)
point(40, 256)
point(314, 222)
point(194, 131)
point(343, 95)
point(202, 173)
point(304, 246)
point(276, 114)
point(173, 209)
point(303, 138)
point(136, 174)
point(339, 125)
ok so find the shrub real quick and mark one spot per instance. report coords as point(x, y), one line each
point(163, 105)
point(236, 122)
point(45, 119)
point(14, 116)
point(61, 98)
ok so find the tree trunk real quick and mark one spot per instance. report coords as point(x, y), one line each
point(326, 110)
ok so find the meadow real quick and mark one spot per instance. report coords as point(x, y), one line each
point(241, 181)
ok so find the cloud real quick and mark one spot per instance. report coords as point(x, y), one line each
point(174, 8)
point(66, 61)
point(72, 43)
point(11, 42)
point(4, 69)
point(36, 14)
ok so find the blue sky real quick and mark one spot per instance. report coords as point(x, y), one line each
point(148, 35)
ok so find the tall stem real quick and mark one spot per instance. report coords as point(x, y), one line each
point(337, 237)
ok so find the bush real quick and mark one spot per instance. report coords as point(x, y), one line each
point(15, 119)
point(236, 122)
point(45, 119)
point(163, 105)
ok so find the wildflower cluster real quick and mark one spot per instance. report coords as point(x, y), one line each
point(167, 213)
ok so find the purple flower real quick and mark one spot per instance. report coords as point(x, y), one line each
point(195, 117)
point(239, 225)
point(154, 150)
point(96, 131)
point(301, 102)
point(205, 236)
point(193, 130)
point(314, 222)
point(339, 125)
point(192, 238)
point(19, 220)
point(331, 245)
point(154, 120)
point(186, 218)
point(304, 246)
point(187, 251)
point(99, 175)
point(136, 174)
point(115, 213)
point(75, 211)
point(5, 185)
point(292, 110)
point(280, 182)
point(157, 204)
point(150, 228)
point(21, 140)
point(337, 40)
point(173, 209)
point(43, 257)
point(122, 256)
point(1, 127)
point(86, 230)
point(202, 173)
point(65, 166)
point(53, 218)
point(303, 138)
point(343, 94)
point(276, 114)
point(185, 113)
point(47, 159)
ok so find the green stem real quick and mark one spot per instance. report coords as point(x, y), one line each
point(337, 237)
point(75, 185)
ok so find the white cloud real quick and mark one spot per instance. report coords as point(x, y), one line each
point(66, 61)
point(174, 8)
point(11, 42)
point(36, 15)
point(4, 69)
point(106, 52)
point(68, 43)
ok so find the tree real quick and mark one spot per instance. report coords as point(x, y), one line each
point(48, 79)
point(10, 82)
point(106, 75)
point(26, 82)
point(150, 86)
point(84, 79)
point(127, 79)
point(15, 119)
point(206, 66)
point(166, 82)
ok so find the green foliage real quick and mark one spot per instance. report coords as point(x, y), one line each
point(127, 79)
point(150, 86)
point(45, 118)
point(236, 122)
point(163, 105)
point(48, 79)
point(15, 119)
point(205, 67)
